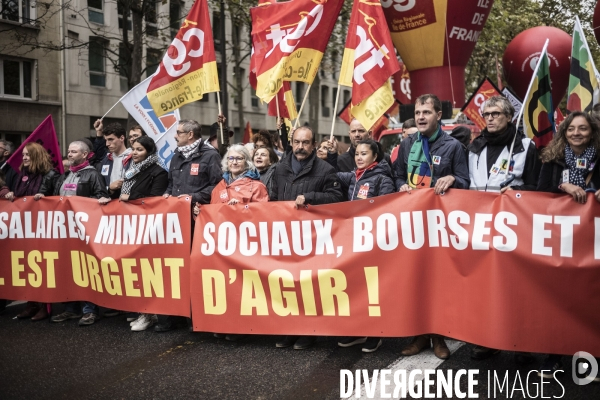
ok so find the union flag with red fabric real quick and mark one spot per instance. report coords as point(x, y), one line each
point(369, 62)
point(289, 40)
point(188, 69)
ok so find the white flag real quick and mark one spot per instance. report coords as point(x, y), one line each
point(160, 129)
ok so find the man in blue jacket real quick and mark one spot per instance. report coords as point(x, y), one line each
point(430, 158)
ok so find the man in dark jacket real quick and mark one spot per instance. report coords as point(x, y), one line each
point(194, 171)
point(430, 158)
point(357, 133)
point(493, 169)
point(306, 179)
point(117, 160)
point(489, 153)
point(81, 179)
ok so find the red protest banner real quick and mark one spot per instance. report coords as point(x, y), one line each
point(494, 270)
point(129, 256)
point(474, 106)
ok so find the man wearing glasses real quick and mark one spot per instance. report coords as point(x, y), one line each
point(430, 158)
point(493, 169)
point(491, 166)
point(194, 171)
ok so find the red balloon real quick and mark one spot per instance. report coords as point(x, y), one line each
point(596, 22)
point(522, 53)
point(435, 39)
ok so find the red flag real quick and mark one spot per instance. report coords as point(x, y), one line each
point(401, 84)
point(188, 68)
point(286, 101)
point(345, 115)
point(369, 62)
point(474, 106)
point(289, 40)
point(247, 133)
point(44, 135)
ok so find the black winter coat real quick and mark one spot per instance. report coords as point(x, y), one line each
point(91, 183)
point(151, 182)
point(453, 160)
point(49, 183)
point(266, 177)
point(378, 179)
point(198, 183)
point(551, 176)
point(317, 182)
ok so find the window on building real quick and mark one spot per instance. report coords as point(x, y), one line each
point(151, 18)
point(15, 78)
point(97, 62)
point(236, 101)
point(346, 97)
point(254, 100)
point(174, 17)
point(299, 94)
point(152, 61)
point(216, 27)
point(17, 11)
point(325, 110)
point(96, 11)
point(335, 93)
point(120, 10)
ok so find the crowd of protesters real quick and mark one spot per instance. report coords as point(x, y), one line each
point(282, 167)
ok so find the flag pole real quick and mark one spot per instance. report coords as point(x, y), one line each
point(110, 109)
point(278, 115)
point(520, 115)
point(220, 112)
point(337, 98)
point(301, 107)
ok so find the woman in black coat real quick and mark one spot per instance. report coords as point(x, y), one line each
point(145, 177)
point(571, 160)
point(372, 177)
point(571, 166)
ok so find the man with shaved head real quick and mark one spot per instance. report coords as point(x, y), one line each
point(81, 179)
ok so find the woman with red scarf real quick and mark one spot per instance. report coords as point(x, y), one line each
point(372, 177)
point(36, 178)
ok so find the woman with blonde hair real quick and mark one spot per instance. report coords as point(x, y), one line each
point(36, 178)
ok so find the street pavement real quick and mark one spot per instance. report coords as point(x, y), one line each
point(43, 360)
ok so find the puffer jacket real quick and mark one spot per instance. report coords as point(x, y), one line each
point(453, 160)
point(317, 182)
point(247, 189)
point(197, 175)
point(90, 184)
point(375, 181)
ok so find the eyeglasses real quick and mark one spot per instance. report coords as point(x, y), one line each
point(235, 160)
point(181, 132)
point(493, 114)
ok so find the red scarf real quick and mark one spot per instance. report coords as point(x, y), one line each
point(77, 168)
point(360, 172)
